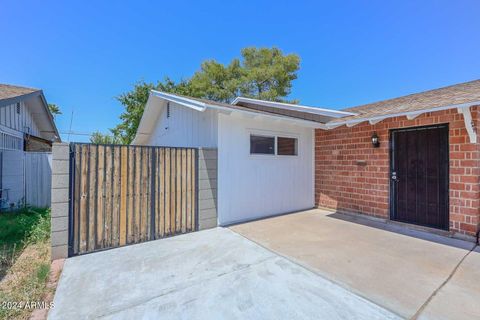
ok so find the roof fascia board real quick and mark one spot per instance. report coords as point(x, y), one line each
point(294, 107)
point(147, 108)
point(400, 114)
point(252, 114)
point(372, 122)
point(201, 106)
point(50, 117)
point(196, 105)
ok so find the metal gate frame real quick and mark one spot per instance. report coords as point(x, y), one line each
point(152, 170)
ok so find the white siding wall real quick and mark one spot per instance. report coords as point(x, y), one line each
point(12, 175)
point(15, 124)
point(185, 128)
point(254, 186)
point(38, 178)
point(20, 122)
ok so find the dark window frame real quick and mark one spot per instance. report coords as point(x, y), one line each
point(275, 138)
point(295, 146)
point(252, 135)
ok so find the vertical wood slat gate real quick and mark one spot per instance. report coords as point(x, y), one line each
point(121, 195)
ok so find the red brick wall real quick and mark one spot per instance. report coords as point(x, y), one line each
point(344, 183)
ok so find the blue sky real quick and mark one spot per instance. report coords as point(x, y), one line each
point(86, 53)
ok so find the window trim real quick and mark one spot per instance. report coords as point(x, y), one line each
point(275, 135)
point(264, 136)
point(286, 155)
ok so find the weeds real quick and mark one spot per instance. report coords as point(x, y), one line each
point(25, 258)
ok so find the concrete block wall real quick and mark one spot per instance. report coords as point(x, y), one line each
point(207, 188)
point(60, 194)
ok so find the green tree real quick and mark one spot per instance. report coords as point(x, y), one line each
point(54, 109)
point(134, 102)
point(261, 73)
point(99, 138)
point(268, 73)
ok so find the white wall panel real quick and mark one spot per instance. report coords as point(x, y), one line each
point(13, 175)
point(18, 121)
point(185, 128)
point(255, 186)
point(38, 178)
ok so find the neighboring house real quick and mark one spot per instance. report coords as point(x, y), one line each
point(26, 126)
point(413, 159)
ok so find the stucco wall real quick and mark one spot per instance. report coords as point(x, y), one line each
point(342, 184)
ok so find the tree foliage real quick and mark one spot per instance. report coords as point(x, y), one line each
point(261, 73)
point(54, 109)
point(99, 138)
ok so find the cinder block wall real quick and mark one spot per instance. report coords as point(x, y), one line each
point(60, 181)
point(207, 188)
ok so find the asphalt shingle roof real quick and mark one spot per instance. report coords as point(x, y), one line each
point(466, 92)
point(8, 91)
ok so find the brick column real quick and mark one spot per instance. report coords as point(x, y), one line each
point(207, 188)
point(60, 195)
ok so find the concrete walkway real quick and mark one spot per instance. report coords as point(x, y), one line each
point(214, 274)
point(411, 273)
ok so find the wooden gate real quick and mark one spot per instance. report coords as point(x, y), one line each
point(122, 195)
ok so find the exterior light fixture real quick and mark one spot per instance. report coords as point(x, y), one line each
point(375, 140)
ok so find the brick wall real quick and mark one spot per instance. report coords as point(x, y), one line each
point(352, 176)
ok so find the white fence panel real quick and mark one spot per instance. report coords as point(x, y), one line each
point(12, 182)
point(38, 178)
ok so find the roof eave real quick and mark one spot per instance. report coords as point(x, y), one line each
point(412, 114)
point(197, 105)
point(38, 93)
point(50, 117)
point(202, 106)
point(294, 107)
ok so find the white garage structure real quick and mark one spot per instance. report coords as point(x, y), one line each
point(265, 149)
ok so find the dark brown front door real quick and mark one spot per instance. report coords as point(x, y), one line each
point(419, 176)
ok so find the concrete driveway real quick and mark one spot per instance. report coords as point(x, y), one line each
point(413, 274)
point(214, 274)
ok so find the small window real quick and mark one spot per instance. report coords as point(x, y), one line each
point(286, 146)
point(262, 145)
point(18, 108)
point(168, 110)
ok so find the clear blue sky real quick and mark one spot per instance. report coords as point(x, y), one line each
point(83, 54)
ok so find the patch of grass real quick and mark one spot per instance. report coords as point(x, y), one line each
point(25, 281)
point(17, 229)
point(25, 259)
point(17, 226)
point(42, 272)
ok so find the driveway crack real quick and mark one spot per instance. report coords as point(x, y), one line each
point(436, 291)
point(134, 304)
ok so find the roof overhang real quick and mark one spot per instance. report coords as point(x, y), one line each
point(295, 107)
point(38, 107)
point(23, 97)
point(156, 102)
point(462, 108)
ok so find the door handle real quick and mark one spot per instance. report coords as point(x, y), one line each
point(394, 176)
